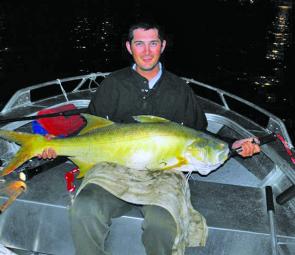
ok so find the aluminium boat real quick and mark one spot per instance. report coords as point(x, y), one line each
point(233, 200)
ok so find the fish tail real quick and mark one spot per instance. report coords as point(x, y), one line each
point(31, 144)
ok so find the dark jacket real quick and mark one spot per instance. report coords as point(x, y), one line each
point(125, 93)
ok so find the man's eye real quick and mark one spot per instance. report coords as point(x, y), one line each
point(138, 44)
point(154, 44)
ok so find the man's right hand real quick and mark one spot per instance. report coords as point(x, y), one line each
point(48, 153)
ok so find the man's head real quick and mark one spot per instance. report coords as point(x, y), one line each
point(146, 43)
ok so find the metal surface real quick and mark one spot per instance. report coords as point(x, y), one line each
point(38, 221)
point(273, 235)
point(231, 198)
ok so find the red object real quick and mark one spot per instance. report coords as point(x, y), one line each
point(61, 125)
point(70, 178)
point(289, 152)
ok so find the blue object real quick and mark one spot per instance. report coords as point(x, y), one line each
point(38, 129)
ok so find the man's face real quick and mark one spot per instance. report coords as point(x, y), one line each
point(146, 48)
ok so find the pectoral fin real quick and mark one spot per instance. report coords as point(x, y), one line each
point(83, 166)
point(181, 161)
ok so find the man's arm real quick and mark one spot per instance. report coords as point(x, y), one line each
point(248, 146)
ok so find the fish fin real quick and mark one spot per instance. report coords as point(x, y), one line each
point(181, 161)
point(31, 144)
point(20, 157)
point(149, 119)
point(83, 166)
point(94, 122)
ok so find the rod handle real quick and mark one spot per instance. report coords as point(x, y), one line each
point(269, 199)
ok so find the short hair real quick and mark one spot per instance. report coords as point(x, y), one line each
point(146, 25)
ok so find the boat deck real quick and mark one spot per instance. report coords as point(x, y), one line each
point(236, 216)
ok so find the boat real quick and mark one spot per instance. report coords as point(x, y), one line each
point(248, 202)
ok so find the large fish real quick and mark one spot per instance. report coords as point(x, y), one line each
point(151, 143)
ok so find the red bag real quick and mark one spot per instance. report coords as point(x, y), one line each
point(61, 125)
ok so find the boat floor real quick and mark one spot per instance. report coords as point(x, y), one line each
point(231, 200)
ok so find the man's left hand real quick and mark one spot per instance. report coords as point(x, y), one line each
point(248, 146)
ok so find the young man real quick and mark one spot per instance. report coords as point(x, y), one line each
point(144, 88)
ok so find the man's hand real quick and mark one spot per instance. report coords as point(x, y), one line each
point(248, 146)
point(48, 153)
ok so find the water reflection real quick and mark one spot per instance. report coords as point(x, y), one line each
point(271, 84)
point(94, 40)
point(278, 41)
point(235, 47)
point(280, 36)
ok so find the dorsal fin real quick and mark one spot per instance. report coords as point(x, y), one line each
point(149, 119)
point(94, 122)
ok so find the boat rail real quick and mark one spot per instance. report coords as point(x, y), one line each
point(22, 98)
point(274, 123)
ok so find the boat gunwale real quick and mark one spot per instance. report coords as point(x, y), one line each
point(21, 98)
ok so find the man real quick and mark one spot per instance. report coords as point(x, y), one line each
point(144, 88)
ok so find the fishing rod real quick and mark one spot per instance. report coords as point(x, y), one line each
point(49, 115)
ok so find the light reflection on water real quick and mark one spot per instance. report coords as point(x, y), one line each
point(95, 35)
point(278, 41)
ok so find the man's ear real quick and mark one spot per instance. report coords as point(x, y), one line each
point(128, 46)
point(163, 46)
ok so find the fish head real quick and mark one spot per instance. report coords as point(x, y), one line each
point(206, 154)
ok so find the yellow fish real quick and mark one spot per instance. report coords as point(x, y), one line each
point(153, 143)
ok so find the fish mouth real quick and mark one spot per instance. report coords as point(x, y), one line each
point(224, 155)
point(205, 168)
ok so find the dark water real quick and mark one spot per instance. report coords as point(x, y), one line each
point(240, 46)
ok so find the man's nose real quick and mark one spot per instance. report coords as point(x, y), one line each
point(147, 49)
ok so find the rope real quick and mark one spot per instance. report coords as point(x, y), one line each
point(92, 79)
point(62, 89)
point(188, 175)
